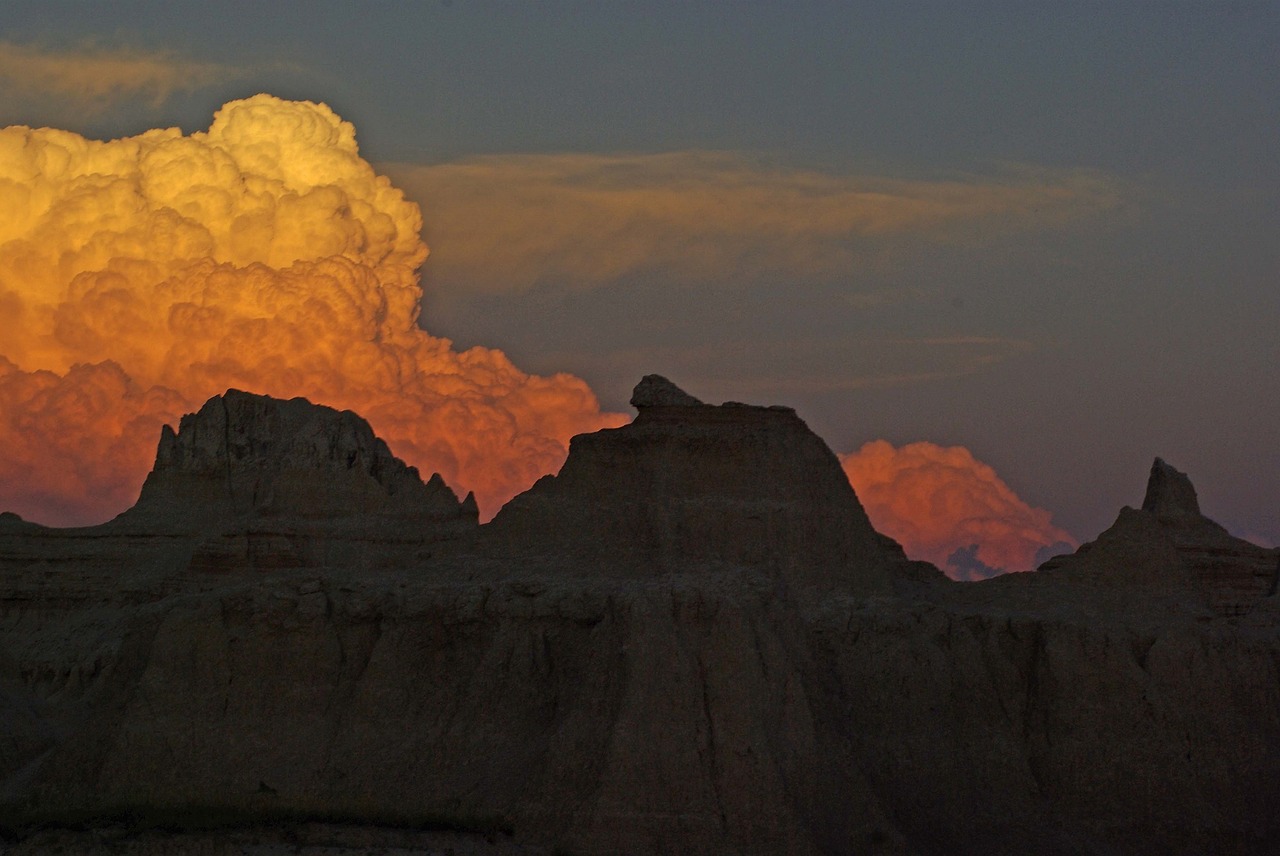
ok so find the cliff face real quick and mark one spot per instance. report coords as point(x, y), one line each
point(647, 676)
point(265, 483)
point(690, 486)
point(249, 458)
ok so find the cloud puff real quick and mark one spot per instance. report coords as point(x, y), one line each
point(510, 222)
point(93, 78)
point(76, 445)
point(140, 276)
point(945, 506)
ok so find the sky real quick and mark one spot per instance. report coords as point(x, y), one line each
point(998, 255)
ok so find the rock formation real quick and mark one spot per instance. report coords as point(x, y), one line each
point(656, 391)
point(1169, 546)
point(249, 457)
point(272, 483)
point(689, 640)
point(1170, 493)
point(689, 486)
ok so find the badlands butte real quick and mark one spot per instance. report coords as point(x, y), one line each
point(690, 640)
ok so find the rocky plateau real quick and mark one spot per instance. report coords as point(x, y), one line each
point(689, 640)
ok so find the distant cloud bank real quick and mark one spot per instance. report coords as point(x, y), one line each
point(94, 78)
point(506, 223)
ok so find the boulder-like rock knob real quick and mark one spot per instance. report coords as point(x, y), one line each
point(656, 391)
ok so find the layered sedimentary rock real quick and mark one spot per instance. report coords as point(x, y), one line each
point(691, 486)
point(246, 457)
point(649, 676)
point(255, 482)
point(1169, 546)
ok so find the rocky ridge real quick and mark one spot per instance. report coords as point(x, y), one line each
point(689, 640)
point(246, 457)
point(266, 483)
point(1169, 545)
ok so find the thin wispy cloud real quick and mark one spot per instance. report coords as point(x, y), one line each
point(756, 370)
point(510, 222)
point(94, 78)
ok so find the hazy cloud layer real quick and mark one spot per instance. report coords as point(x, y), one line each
point(946, 507)
point(511, 222)
point(140, 276)
point(769, 371)
point(93, 78)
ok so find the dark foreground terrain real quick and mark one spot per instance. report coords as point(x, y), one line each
point(691, 640)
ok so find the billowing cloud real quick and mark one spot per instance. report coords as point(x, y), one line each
point(510, 222)
point(67, 438)
point(945, 506)
point(93, 78)
point(140, 276)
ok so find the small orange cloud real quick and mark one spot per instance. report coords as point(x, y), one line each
point(508, 222)
point(140, 276)
point(945, 506)
point(94, 78)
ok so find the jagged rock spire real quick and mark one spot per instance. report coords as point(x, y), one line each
point(1170, 493)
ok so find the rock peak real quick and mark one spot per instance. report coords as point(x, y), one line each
point(656, 391)
point(1170, 493)
point(689, 487)
point(244, 459)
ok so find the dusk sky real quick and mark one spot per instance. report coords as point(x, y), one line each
point(1046, 233)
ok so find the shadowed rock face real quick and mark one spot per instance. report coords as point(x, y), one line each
point(1170, 546)
point(12, 522)
point(263, 483)
point(251, 457)
point(689, 485)
point(690, 640)
point(656, 391)
point(1170, 493)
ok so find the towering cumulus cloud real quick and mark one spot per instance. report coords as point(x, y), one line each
point(140, 276)
point(946, 507)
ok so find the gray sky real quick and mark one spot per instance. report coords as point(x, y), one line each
point(1046, 232)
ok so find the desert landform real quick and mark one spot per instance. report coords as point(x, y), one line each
point(690, 640)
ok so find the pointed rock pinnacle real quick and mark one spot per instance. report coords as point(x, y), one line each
point(1170, 493)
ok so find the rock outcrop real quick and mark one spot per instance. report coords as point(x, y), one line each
point(1170, 547)
point(690, 640)
point(656, 391)
point(271, 483)
point(1170, 493)
point(248, 458)
point(691, 486)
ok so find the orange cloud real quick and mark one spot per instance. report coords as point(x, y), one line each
point(508, 222)
point(93, 77)
point(941, 502)
point(77, 445)
point(140, 276)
